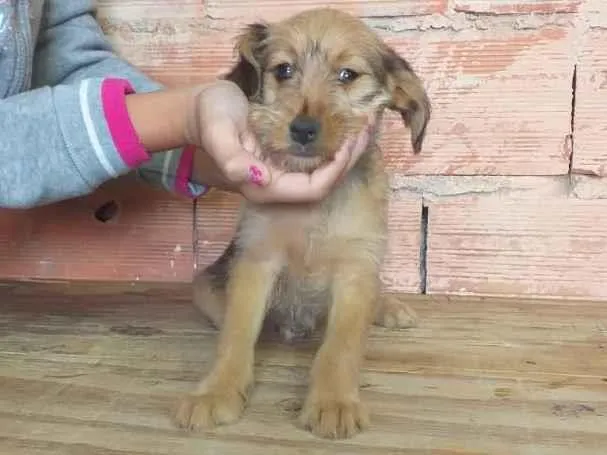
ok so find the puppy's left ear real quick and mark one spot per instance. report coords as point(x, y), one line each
point(408, 97)
point(247, 73)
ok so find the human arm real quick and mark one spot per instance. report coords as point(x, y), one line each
point(213, 168)
point(74, 91)
point(72, 48)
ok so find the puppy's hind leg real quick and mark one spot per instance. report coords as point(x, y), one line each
point(393, 312)
point(209, 287)
point(221, 397)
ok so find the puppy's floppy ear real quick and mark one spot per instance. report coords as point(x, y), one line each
point(408, 96)
point(247, 72)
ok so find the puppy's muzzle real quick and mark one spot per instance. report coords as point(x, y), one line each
point(304, 131)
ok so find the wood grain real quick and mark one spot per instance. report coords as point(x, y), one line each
point(99, 374)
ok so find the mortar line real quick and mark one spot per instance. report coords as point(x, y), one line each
point(572, 116)
point(423, 249)
point(195, 235)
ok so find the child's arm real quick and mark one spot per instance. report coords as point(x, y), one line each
point(61, 142)
point(72, 49)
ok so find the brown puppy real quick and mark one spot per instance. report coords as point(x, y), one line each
point(312, 80)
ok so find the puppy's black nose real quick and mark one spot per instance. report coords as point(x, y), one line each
point(304, 129)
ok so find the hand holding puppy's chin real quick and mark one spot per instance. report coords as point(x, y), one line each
point(296, 184)
point(238, 167)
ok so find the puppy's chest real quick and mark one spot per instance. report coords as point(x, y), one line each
point(300, 237)
point(306, 240)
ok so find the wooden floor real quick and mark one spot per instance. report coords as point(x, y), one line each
point(94, 375)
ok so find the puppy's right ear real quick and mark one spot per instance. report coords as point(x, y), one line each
point(247, 73)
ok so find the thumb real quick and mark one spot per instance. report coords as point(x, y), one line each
point(246, 166)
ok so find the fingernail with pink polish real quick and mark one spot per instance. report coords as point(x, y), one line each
point(255, 175)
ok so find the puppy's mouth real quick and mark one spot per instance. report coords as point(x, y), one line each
point(297, 158)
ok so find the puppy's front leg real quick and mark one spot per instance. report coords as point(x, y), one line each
point(332, 408)
point(220, 398)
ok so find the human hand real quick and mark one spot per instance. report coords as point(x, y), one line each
point(228, 158)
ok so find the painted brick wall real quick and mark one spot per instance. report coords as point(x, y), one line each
point(507, 198)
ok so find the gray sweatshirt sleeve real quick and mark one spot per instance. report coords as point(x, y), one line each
point(72, 132)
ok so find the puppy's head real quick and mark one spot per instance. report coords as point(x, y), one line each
point(314, 79)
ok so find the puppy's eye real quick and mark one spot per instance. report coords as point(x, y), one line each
point(346, 75)
point(283, 72)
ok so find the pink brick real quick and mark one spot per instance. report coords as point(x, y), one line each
point(271, 10)
point(149, 240)
point(401, 270)
point(590, 154)
point(519, 7)
point(596, 11)
point(515, 246)
point(217, 216)
point(188, 57)
point(140, 11)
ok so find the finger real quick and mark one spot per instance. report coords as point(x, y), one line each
point(229, 150)
point(323, 178)
point(359, 147)
point(246, 170)
point(348, 154)
point(295, 187)
point(259, 173)
point(251, 145)
point(222, 141)
point(227, 101)
point(248, 142)
point(287, 188)
point(300, 187)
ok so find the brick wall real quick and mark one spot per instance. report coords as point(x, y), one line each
point(507, 198)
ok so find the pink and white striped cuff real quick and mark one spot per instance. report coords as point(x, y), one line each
point(122, 130)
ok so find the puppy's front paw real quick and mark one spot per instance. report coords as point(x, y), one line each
point(217, 406)
point(337, 418)
point(394, 313)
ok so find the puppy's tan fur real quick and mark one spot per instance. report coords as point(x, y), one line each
point(288, 264)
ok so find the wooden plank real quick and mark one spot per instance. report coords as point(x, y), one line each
point(150, 237)
point(526, 245)
point(100, 374)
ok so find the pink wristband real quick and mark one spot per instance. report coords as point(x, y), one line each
point(184, 171)
point(126, 140)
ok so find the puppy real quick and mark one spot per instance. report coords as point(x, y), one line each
point(313, 80)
